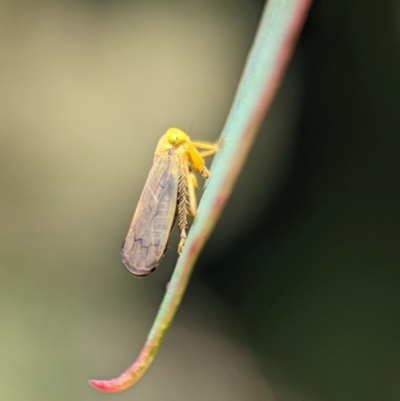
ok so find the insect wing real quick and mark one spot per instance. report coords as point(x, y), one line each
point(148, 234)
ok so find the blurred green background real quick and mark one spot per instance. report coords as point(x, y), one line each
point(296, 295)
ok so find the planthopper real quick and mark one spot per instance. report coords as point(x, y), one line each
point(168, 195)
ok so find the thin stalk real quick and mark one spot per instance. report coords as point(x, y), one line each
point(272, 48)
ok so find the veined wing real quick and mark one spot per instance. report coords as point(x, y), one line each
point(148, 234)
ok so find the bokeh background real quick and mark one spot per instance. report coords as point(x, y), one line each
point(297, 293)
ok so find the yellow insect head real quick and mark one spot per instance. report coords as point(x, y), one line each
point(176, 136)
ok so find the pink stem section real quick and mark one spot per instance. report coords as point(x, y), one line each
point(131, 375)
point(177, 286)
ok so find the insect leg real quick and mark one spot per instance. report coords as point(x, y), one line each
point(182, 241)
point(192, 185)
point(187, 198)
point(205, 145)
point(209, 148)
point(196, 158)
point(183, 200)
point(209, 152)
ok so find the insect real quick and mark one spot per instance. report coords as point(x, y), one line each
point(168, 195)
